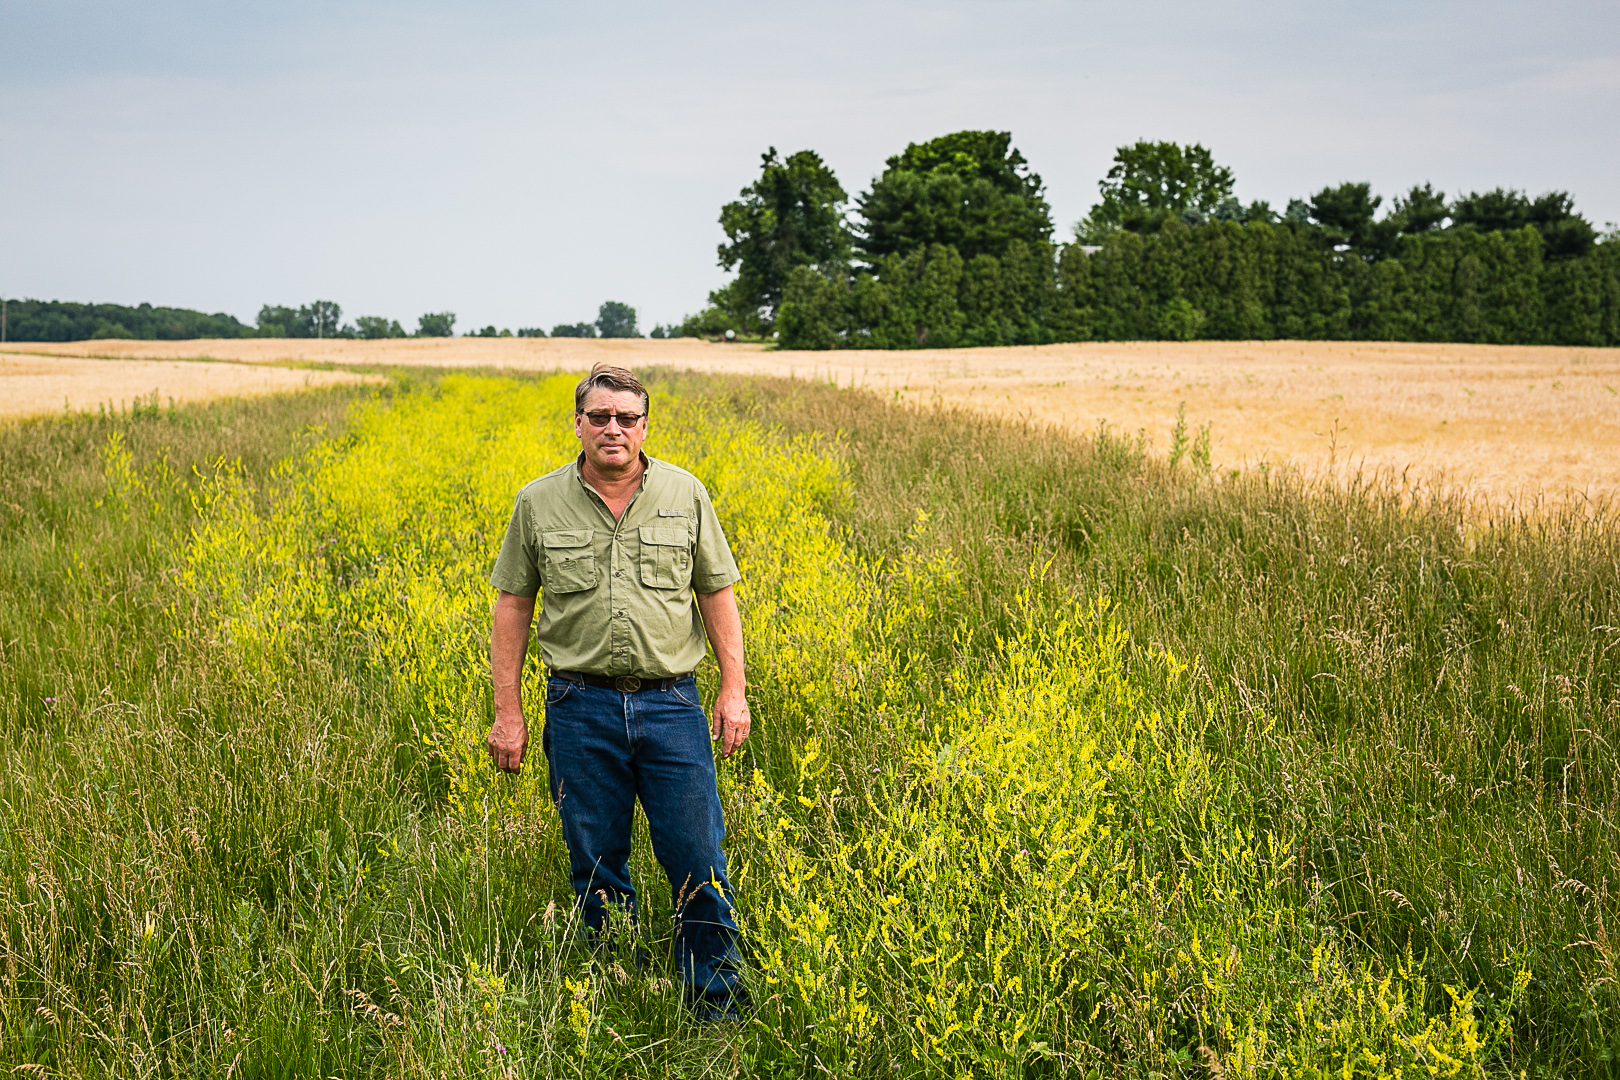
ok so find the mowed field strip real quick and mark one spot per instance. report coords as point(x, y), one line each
point(32, 385)
point(1506, 422)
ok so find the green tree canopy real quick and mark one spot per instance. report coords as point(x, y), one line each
point(1154, 182)
point(791, 216)
point(59, 320)
point(1346, 215)
point(1565, 233)
point(376, 326)
point(436, 324)
point(1422, 209)
point(276, 320)
point(616, 320)
point(971, 190)
point(318, 319)
point(583, 329)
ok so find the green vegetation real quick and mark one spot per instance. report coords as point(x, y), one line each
point(613, 320)
point(57, 320)
point(436, 324)
point(1152, 183)
point(971, 191)
point(616, 320)
point(321, 319)
point(1070, 761)
point(955, 235)
point(792, 216)
point(1424, 696)
point(373, 327)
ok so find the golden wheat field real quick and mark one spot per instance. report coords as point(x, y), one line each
point(1506, 423)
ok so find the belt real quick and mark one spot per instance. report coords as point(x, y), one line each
point(624, 684)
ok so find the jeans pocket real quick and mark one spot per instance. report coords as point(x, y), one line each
point(686, 692)
point(557, 690)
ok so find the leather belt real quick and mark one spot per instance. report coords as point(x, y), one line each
point(624, 684)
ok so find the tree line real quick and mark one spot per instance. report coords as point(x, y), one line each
point(952, 245)
point(60, 320)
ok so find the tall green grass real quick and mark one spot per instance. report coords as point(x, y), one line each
point(204, 869)
point(1426, 691)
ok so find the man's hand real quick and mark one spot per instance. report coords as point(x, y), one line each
point(508, 741)
point(731, 720)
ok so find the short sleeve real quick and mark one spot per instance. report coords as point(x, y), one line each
point(713, 567)
point(517, 569)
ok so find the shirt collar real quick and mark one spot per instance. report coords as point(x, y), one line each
point(647, 464)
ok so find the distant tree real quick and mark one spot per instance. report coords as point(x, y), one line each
point(583, 329)
point(531, 331)
point(657, 332)
point(1421, 210)
point(1500, 210)
point(1346, 216)
point(712, 322)
point(323, 317)
point(375, 326)
point(59, 320)
point(277, 321)
point(791, 216)
point(319, 319)
point(971, 190)
point(436, 324)
point(1259, 212)
point(1151, 183)
point(616, 320)
point(1564, 233)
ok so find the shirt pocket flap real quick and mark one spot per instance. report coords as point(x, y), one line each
point(566, 538)
point(664, 536)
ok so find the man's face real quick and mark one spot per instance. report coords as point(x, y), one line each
point(612, 446)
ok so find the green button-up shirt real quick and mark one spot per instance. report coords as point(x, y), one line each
point(616, 596)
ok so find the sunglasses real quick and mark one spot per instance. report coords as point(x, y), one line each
point(625, 419)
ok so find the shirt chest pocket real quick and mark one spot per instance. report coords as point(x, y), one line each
point(570, 562)
point(666, 557)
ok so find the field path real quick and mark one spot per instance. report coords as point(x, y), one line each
point(39, 385)
point(1508, 422)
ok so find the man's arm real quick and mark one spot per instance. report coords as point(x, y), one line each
point(724, 627)
point(508, 643)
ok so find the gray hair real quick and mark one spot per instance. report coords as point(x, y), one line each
point(608, 377)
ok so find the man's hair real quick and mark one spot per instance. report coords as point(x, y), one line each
point(608, 377)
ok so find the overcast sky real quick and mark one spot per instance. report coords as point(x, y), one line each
point(520, 163)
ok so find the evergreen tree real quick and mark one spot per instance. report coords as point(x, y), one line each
point(792, 216)
point(971, 191)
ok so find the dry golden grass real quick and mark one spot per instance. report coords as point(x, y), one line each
point(1506, 422)
point(34, 385)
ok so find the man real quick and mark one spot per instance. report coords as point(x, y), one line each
point(633, 570)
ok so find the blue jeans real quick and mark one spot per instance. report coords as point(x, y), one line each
point(605, 749)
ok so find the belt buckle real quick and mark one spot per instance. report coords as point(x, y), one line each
point(627, 684)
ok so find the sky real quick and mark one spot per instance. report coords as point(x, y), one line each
point(520, 163)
